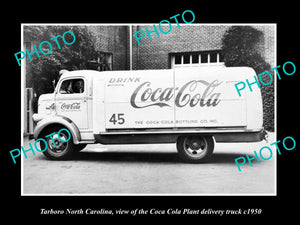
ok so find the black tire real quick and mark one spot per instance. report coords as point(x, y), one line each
point(63, 150)
point(194, 148)
point(79, 147)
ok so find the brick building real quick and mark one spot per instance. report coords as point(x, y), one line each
point(112, 42)
point(191, 45)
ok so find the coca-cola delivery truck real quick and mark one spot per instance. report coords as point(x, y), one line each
point(192, 107)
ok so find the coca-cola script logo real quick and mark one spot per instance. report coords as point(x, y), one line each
point(72, 107)
point(195, 92)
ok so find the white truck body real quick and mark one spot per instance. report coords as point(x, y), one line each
point(153, 106)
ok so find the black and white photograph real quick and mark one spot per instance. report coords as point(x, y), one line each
point(147, 109)
point(138, 112)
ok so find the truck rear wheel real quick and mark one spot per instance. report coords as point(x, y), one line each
point(195, 149)
point(59, 150)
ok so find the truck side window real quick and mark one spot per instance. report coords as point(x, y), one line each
point(72, 86)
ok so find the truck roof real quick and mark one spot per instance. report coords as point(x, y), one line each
point(80, 73)
point(239, 71)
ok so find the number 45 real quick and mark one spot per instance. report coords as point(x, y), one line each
point(117, 118)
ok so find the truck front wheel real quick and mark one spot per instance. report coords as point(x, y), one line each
point(57, 148)
point(195, 149)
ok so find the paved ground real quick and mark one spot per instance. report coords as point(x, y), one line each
point(149, 169)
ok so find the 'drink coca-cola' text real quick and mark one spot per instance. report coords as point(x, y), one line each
point(193, 93)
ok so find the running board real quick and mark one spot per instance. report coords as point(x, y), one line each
point(180, 131)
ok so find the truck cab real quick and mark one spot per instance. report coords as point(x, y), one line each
point(193, 108)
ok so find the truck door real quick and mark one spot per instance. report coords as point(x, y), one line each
point(71, 101)
point(139, 99)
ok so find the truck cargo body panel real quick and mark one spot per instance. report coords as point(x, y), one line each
point(178, 98)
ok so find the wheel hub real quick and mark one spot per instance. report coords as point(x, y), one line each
point(56, 144)
point(195, 146)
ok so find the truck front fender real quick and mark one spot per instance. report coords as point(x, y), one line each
point(57, 120)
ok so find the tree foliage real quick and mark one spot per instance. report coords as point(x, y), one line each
point(43, 70)
point(241, 47)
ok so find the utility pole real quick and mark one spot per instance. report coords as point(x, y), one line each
point(130, 47)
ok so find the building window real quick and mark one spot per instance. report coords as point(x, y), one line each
point(102, 62)
point(194, 59)
point(106, 59)
point(186, 59)
point(28, 46)
point(204, 58)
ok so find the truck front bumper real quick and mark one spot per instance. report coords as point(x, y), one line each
point(37, 117)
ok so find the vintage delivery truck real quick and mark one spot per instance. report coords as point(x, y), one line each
point(192, 107)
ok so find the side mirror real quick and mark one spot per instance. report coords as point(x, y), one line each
point(53, 83)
